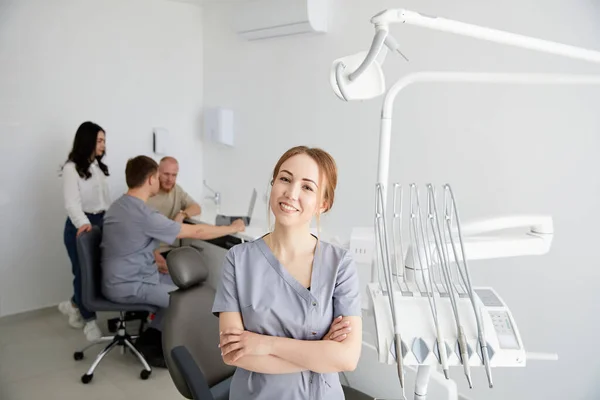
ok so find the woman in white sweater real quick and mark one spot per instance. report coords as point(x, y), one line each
point(86, 199)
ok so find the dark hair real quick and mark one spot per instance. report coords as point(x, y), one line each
point(84, 148)
point(138, 169)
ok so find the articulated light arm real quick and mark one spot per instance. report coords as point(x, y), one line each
point(385, 18)
point(360, 76)
point(458, 77)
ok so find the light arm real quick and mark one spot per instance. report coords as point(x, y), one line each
point(458, 77)
point(383, 19)
point(359, 77)
point(376, 46)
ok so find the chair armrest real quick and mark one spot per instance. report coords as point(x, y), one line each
point(194, 378)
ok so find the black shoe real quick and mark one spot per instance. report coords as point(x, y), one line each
point(157, 361)
point(153, 355)
point(150, 336)
point(150, 345)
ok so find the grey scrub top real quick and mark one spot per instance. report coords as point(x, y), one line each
point(273, 303)
point(131, 232)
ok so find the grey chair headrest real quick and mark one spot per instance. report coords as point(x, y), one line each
point(186, 267)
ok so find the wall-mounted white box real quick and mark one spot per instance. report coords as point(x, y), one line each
point(218, 125)
point(160, 141)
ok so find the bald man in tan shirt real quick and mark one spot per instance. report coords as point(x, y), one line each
point(172, 202)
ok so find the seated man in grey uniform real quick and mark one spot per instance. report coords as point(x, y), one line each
point(132, 231)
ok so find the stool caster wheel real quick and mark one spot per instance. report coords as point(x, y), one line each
point(145, 374)
point(78, 355)
point(87, 378)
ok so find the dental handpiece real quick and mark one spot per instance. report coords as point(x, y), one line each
point(433, 304)
point(442, 351)
point(397, 337)
point(464, 354)
point(381, 229)
point(467, 281)
point(486, 356)
point(486, 360)
point(399, 360)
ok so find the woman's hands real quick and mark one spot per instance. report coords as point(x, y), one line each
point(339, 330)
point(236, 343)
point(83, 228)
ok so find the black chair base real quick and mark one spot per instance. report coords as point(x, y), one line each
point(121, 339)
point(142, 316)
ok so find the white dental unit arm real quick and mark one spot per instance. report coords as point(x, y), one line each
point(435, 317)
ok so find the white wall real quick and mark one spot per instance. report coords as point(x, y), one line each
point(129, 65)
point(504, 149)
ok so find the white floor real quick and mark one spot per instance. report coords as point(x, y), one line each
point(36, 362)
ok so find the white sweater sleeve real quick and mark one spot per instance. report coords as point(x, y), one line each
point(72, 196)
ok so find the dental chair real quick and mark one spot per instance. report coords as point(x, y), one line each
point(191, 332)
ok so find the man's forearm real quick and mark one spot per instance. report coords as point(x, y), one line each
point(266, 365)
point(207, 232)
point(204, 232)
point(192, 210)
point(321, 356)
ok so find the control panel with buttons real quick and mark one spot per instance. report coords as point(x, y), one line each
point(507, 337)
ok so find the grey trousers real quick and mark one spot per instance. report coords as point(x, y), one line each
point(156, 295)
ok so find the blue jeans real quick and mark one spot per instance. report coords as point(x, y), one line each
point(70, 239)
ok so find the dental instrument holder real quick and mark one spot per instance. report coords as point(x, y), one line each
point(360, 77)
point(451, 322)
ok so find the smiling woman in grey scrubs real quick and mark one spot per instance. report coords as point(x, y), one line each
point(279, 294)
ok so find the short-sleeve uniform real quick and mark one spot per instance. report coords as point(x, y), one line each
point(170, 204)
point(272, 302)
point(132, 231)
